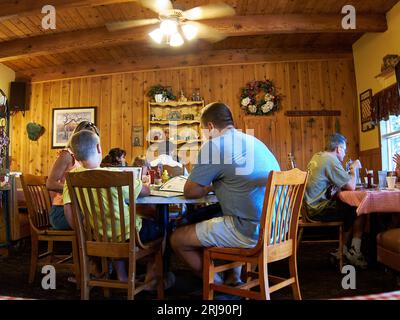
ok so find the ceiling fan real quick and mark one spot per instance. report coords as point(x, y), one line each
point(175, 25)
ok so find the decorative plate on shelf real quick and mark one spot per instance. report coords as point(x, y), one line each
point(155, 133)
point(174, 116)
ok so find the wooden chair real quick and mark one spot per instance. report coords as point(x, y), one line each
point(97, 190)
point(277, 241)
point(38, 205)
point(307, 222)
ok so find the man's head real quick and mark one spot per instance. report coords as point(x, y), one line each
point(216, 117)
point(337, 145)
point(85, 145)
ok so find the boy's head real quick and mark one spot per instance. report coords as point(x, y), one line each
point(85, 145)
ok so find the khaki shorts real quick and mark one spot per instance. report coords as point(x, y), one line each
point(221, 232)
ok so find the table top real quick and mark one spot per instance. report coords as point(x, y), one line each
point(176, 200)
point(395, 295)
point(372, 200)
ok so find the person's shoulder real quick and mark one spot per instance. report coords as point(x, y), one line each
point(65, 154)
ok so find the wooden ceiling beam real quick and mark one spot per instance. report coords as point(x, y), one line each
point(295, 23)
point(231, 27)
point(202, 58)
point(20, 8)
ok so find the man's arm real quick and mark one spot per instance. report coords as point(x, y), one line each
point(351, 185)
point(145, 191)
point(193, 190)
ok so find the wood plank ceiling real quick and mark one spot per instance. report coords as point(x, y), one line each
point(259, 26)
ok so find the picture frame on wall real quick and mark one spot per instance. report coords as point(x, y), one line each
point(366, 111)
point(137, 136)
point(65, 121)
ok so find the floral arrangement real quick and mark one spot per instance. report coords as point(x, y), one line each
point(260, 98)
point(159, 89)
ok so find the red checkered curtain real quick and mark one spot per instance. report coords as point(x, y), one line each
point(386, 103)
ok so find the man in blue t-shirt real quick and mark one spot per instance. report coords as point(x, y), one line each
point(236, 167)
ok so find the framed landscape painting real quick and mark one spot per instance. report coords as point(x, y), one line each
point(65, 121)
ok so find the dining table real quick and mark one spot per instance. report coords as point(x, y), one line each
point(162, 207)
point(373, 202)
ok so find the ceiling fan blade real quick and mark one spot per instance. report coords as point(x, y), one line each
point(208, 33)
point(114, 26)
point(209, 11)
point(157, 5)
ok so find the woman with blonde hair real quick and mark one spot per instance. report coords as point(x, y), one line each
point(55, 182)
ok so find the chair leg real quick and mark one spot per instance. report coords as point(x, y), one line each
point(248, 269)
point(341, 235)
point(75, 259)
point(293, 274)
point(208, 276)
point(85, 289)
point(50, 249)
point(104, 268)
point(159, 274)
point(300, 235)
point(263, 278)
point(34, 257)
point(131, 279)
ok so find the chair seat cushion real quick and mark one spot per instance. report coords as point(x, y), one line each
point(390, 240)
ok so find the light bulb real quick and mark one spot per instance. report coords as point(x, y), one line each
point(157, 35)
point(168, 26)
point(162, 4)
point(176, 40)
point(190, 31)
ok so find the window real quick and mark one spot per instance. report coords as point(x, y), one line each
point(390, 138)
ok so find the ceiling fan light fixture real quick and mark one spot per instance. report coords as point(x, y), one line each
point(176, 40)
point(157, 35)
point(169, 26)
point(162, 4)
point(190, 31)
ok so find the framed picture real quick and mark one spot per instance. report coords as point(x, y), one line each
point(137, 136)
point(65, 121)
point(366, 111)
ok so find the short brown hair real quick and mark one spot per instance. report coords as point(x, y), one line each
point(218, 114)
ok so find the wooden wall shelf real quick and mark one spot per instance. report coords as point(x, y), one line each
point(176, 103)
point(313, 113)
point(386, 74)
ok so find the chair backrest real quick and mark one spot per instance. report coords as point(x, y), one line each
point(282, 203)
point(99, 207)
point(37, 200)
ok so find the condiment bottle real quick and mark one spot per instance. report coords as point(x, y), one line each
point(165, 176)
point(370, 177)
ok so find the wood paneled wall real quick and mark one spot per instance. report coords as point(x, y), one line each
point(122, 102)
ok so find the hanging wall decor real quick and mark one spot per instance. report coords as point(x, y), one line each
point(260, 98)
point(65, 121)
point(366, 111)
point(34, 130)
